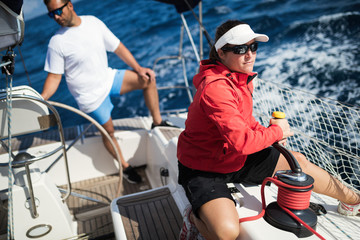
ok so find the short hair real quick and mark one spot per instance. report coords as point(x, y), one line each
point(46, 2)
point(221, 30)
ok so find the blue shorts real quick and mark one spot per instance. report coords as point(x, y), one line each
point(103, 113)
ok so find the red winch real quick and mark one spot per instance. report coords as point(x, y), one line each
point(291, 211)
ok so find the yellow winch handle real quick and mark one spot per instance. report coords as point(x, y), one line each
point(278, 114)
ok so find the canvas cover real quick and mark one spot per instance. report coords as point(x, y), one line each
point(12, 24)
point(181, 5)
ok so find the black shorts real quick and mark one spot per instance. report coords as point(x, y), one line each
point(202, 187)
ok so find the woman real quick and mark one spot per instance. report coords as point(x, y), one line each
point(222, 141)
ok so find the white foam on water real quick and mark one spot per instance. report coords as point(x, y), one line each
point(310, 62)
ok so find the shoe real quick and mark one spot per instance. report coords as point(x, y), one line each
point(164, 123)
point(131, 175)
point(349, 209)
point(188, 230)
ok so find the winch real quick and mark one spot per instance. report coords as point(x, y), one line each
point(293, 199)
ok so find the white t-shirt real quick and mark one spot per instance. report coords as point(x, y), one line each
point(80, 53)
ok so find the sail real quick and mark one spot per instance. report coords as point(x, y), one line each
point(181, 5)
point(11, 23)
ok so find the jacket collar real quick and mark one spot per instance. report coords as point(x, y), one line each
point(217, 67)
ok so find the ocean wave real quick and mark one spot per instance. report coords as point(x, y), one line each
point(333, 26)
point(315, 48)
point(320, 55)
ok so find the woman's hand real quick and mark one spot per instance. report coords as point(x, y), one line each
point(285, 127)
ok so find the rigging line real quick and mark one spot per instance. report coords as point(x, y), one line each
point(339, 228)
point(26, 71)
point(208, 38)
point(323, 214)
point(10, 226)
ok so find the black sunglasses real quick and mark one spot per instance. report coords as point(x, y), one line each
point(57, 11)
point(241, 49)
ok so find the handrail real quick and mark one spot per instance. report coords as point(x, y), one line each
point(181, 57)
point(171, 87)
point(62, 139)
point(31, 160)
point(5, 64)
point(67, 149)
point(34, 212)
point(101, 129)
point(187, 87)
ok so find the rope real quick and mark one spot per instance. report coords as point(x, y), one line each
point(10, 226)
point(286, 199)
point(293, 200)
point(207, 35)
point(23, 61)
point(8, 70)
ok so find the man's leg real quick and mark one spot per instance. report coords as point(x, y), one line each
point(132, 81)
point(129, 173)
point(109, 127)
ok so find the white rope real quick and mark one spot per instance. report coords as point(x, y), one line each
point(10, 226)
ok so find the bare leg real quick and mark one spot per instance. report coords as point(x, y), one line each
point(109, 127)
point(218, 220)
point(324, 183)
point(132, 81)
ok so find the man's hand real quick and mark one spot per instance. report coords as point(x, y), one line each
point(146, 74)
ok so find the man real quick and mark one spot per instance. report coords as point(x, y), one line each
point(78, 50)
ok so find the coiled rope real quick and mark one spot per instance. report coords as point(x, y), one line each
point(287, 198)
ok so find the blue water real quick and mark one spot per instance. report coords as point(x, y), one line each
point(314, 45)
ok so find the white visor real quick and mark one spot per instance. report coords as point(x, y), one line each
point(239, 35)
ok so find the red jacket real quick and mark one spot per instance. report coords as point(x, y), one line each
point(220, 129)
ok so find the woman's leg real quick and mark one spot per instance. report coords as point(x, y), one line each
point(324, 183)
point(218, 220)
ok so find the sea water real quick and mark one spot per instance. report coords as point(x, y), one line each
point(314, 46)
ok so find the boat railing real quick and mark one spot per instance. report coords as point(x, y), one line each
point(82, 133)
point(198, 52)
point(326, 131)
point(80, 136)
point(181, 58)
point(30, 107)
point(18, 129)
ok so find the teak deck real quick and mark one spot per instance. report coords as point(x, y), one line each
point(151, 215)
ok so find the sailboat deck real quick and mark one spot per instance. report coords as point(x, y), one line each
point(93, 218)
point(70, 133)
point(150, 215)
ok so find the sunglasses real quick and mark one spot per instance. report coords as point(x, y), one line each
point(57, 11)
point(241, 49)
